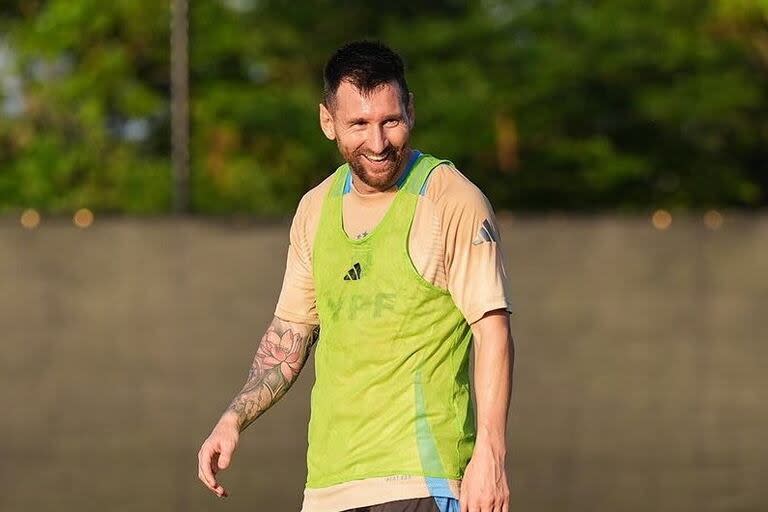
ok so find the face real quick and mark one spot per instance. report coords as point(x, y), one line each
point(371, 130)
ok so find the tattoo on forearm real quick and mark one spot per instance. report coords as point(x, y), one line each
point(283, 350)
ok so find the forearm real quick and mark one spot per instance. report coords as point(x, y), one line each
point(493, 364)
point(281, 355)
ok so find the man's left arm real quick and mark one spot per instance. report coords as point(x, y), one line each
point(484, 487)
point(478, 284)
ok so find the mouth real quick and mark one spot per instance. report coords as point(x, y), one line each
point(378, 158)
point(380, 162)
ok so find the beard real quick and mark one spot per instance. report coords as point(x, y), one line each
point(380, 178)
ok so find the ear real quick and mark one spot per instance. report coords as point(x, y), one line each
point(411, 111)
point(326, 123)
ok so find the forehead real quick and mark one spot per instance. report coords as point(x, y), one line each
point(382, 101)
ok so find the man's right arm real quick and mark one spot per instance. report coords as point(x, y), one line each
point(283, 350)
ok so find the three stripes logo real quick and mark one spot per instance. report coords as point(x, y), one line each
point(354, 273)
point(487, 233)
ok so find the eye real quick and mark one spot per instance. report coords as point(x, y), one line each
point(391, 122)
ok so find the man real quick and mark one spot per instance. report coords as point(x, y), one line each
point(395, 260)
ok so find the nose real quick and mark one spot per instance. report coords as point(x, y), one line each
point(377, 140)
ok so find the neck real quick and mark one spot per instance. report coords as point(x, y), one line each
point(364, 188)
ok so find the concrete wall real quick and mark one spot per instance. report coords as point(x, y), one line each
point(639, 381)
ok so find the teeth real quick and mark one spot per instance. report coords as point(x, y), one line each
point(376, 159)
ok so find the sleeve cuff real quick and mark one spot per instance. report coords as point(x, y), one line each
point(477, 313)
point(289, 316)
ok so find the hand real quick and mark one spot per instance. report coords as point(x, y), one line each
point(216, 454)
point(484, 487)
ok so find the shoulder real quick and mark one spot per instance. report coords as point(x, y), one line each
point(307, 216)
point(312, 201)
point(453, 193)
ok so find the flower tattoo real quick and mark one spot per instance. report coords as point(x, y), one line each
point(283, 351)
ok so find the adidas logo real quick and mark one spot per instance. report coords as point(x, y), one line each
point(487, 233)
point(354, 273)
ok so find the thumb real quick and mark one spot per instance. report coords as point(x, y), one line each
point(224, 459)
point(463, 505)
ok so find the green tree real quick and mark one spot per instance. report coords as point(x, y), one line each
point(557, 104)
point(94, 128)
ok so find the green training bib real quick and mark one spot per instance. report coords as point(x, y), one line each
point(391, 394)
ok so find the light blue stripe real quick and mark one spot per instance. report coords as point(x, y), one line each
point(439, 487)
point(347, 183)
point(428, 454)
point(430, 458)
point(447, 504)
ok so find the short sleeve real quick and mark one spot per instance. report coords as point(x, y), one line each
point(297, 297)
point(474, 263)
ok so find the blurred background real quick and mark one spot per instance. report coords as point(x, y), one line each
point(151, 156)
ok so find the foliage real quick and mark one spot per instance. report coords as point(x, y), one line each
point(547, 104)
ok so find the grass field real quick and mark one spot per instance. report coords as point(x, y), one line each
point(639, 383)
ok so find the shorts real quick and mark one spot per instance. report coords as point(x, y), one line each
point(413, 505)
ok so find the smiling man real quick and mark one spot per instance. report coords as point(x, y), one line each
point(395, 260)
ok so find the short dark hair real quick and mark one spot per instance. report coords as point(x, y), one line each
point(366, 65)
